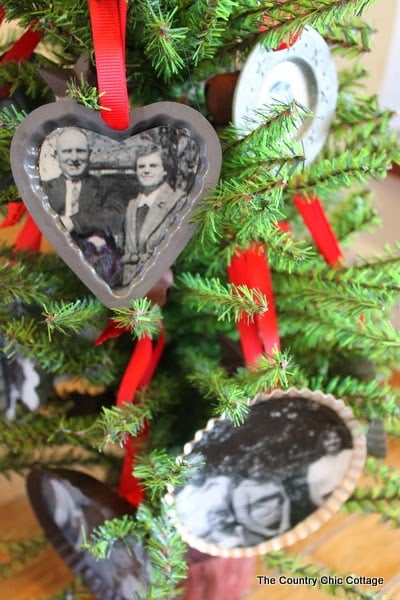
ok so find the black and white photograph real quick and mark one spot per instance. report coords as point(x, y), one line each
point(252, 483)
point(119, 201)
point(69, 505)
point(23, 386)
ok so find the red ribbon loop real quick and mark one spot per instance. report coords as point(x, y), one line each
point(261, 335)
point(138, 374)
point(314, 217)
point(29, 238)
point(108, 20)
point(15, 212)
point(21, 49)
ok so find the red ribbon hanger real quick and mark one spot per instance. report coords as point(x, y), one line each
point(258, 335)
point(29, 237)
point(138, 374)
point(317, 222)
point(21, 49)
point(108, 20)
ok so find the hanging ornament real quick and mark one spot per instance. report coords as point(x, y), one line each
point(115, 205)
point(23, 382)
point(114, 191)
point(304, 72)
point(271, 481)
point(69, 505)
point(377, 439)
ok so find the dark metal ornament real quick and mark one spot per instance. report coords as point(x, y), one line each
point(92, 239)
point(59, 79)
point(69, 505)
point(377, 439)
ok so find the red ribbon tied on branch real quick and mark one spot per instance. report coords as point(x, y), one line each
point(138, 374)
point(258, 335)
point(29, 238)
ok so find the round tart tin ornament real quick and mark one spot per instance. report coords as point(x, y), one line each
point(304, 72)
point(116, 205)
point(271, 481)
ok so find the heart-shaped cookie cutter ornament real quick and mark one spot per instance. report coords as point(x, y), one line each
point(182, 134)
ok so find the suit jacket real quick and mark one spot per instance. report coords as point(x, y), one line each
point(89, 218)
point(142, 238)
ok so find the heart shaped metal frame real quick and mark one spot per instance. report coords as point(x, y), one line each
point(26, 149)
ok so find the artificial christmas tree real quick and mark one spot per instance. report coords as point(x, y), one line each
point(255, 271)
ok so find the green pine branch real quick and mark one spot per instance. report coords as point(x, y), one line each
point(55, 21)
point(207, 22)
point(382, 497)
point(350, 39)
point(269, 372)
point(328, 333)
point(9, 194)
point(113, 531)
point(279, 21)
point(73, 317)
point(142, 317)
point(380, 276)
point(19, 283)
point(354, 214)
point(157, 471)
point(243, 209)
point(167, 553)
point(10, 118)
point(163, 41)
point(25, 337)
point(229, 398)
point(32, 278)
point(114, 425)
point(368, 399)
point(347, 168)
point(227, 302)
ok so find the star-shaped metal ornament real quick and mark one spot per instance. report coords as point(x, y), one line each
point(60, 78)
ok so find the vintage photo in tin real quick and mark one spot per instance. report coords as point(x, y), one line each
point(251, 483)
point(118, 201)
point(126, 569)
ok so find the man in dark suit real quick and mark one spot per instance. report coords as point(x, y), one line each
point(77, 197)
point(151, 213)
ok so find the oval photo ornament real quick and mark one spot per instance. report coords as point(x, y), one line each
point(304, 72)
point(273, 480)
point(115, 205)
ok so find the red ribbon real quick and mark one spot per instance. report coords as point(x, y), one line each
point(137, 375)
point(314, 217)
point(21, 49)
point(15, 212)
point(108, 20)
point(30, 237)
point(260, 335)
